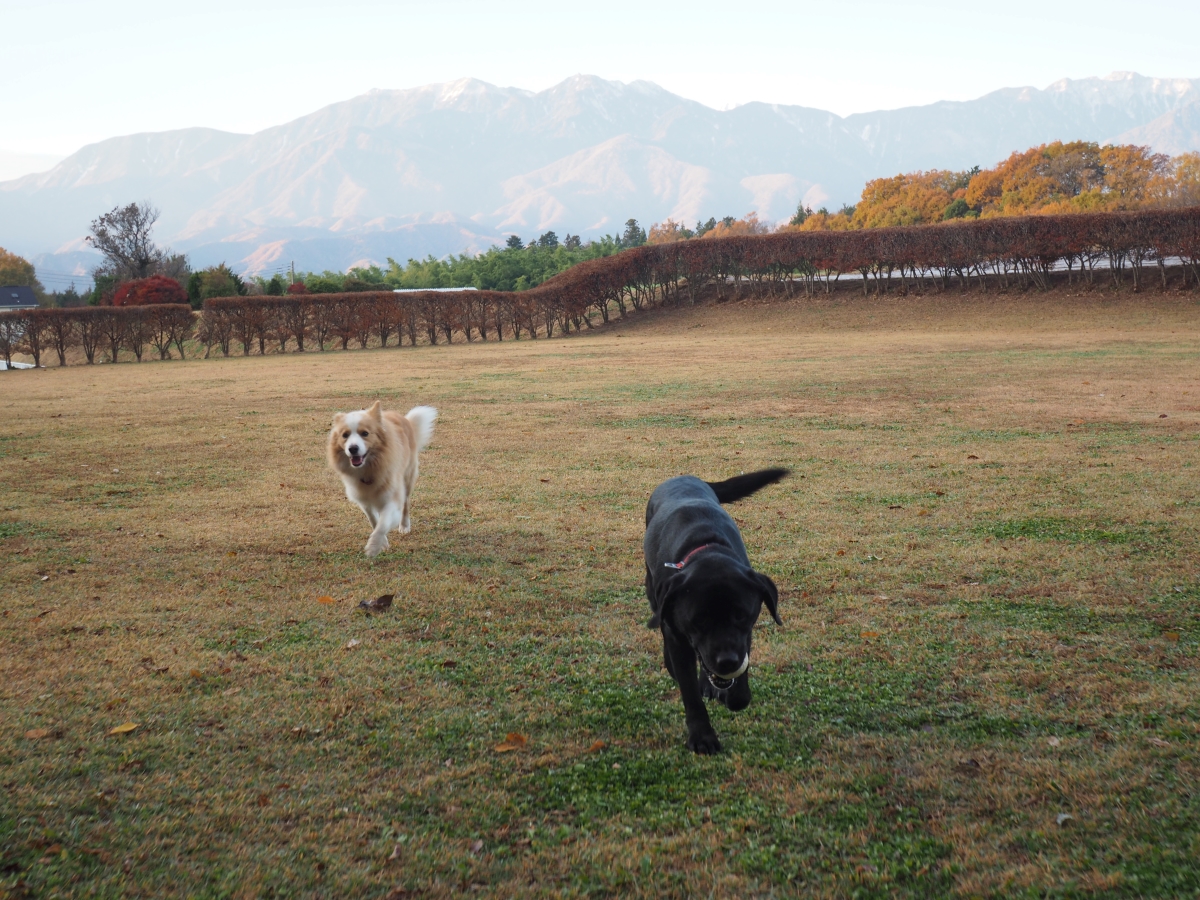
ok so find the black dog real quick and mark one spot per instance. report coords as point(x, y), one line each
point(703, 593)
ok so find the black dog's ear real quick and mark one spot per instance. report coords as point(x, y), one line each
point(663, 592)
point(772, 596)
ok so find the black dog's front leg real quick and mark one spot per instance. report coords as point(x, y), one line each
point(681, 663)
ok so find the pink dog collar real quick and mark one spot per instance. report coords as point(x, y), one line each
point(683, 562)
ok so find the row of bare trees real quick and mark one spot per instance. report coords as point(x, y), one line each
point(1026, 252)
point(101, 332)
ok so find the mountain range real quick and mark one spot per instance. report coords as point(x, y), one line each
point(455, 167)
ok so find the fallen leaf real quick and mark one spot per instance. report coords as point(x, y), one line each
point(383, 601)
point(352, 643)
point(596, 747)
point(1159, 742)
point(972, 456)
point(477, 847)
point(870, 634)
point(196, 673)
point(238, 655)
point(841, 552)
point(1053, 742)
point(124, 728)
point(1063, 819)
point(1139, 459)
point(395, 855)
point(544, 480)
point(45, 578)
point(257, 645)
point(1172, 636)
point(450, 664)
point(922, 512)
point(264, 799)
point(512, 741)
point(895, 506)
point(37, 734)
point(231, 554)
point(326, 600)
point(1162, 415)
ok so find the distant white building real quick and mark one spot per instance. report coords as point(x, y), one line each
point(415, 290)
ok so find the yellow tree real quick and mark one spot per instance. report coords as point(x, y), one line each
point(667, 232)
point(748, 224)
point(1129, 172)
point(917, 198)
point(824, 220)
point(1178, 185)
point(17, 271)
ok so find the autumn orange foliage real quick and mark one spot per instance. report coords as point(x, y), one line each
point(1051, 179)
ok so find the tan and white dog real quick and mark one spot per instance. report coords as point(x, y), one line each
point(375, 452)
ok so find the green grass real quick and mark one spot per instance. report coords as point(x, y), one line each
point(1016, 640)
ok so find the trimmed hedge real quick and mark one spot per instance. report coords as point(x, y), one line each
point(95, 329)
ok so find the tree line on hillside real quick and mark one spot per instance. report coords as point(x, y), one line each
point(1051, 179)
point(517, 266)
point(135, 271)
point(1022, 252)
point(1014, 252)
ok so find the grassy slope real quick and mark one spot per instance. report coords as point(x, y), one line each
point(989, 605)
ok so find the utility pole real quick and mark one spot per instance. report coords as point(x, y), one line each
point(293, 272)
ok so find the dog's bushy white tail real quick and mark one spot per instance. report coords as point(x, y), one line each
point(422, 418)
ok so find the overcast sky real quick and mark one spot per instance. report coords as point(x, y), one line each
point(77, 72)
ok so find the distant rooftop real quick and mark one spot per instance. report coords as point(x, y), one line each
point(18, 296)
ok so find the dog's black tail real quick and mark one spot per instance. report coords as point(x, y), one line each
point(744, 485)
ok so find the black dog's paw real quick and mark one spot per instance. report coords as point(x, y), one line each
point(653, 623)
point(706, 743)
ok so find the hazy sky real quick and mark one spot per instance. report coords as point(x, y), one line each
point(78, 72)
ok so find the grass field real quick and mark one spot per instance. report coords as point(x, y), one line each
point(986, 684)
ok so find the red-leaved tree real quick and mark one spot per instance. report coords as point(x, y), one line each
point(147, 291)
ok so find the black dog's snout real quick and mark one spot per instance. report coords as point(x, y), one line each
point(727, 662)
